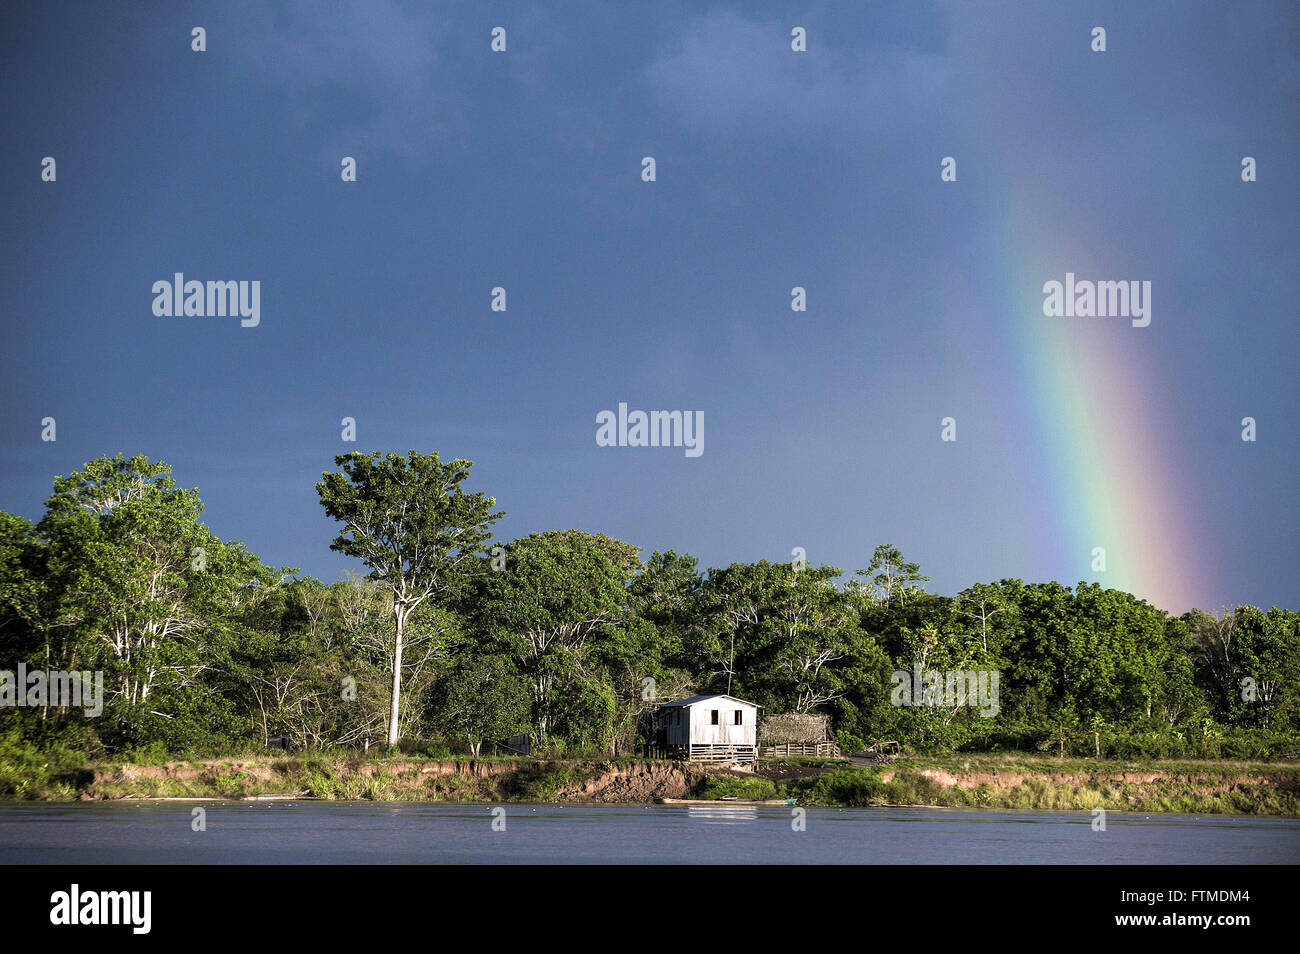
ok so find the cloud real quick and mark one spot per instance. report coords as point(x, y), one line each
point(734, 76)
point(377, 75)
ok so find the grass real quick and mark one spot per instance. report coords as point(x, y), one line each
point(1050, 764)
point(542, 783)
point(730, 786)
point(1187, 789)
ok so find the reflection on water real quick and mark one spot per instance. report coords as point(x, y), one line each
point(722, 814)
point(430, 832)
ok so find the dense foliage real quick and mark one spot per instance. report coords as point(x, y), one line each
point(570, 637)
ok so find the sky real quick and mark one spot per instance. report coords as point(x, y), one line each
point(1076, 437)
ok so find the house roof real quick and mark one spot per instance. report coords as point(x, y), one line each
point(692, 700)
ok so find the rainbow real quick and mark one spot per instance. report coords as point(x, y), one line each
point(1098, 434)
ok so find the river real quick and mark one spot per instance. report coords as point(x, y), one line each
point(429, 832)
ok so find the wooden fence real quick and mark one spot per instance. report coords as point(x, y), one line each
point(706, 753)
point(812, 749)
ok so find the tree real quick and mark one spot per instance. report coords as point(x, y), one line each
point(1268, 662)
point(777, 634)
point(21, 586)
point(733, 601)
point(483, 697)
point(1179, 697)
point(139, 588)
point(557, 593)
point(409, 521)
point(890, 576)
point(981, 603)
point(1216, 654)
point(650, 663)
point(813, 623)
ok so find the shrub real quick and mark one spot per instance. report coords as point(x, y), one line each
point(730, 786)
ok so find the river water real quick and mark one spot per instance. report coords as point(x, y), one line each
point(426, 832)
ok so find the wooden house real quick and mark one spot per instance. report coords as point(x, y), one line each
point(708, 729)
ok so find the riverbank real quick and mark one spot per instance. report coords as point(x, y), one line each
point(1232, 788)
point(978, 781)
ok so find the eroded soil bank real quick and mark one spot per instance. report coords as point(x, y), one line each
point(399, 779)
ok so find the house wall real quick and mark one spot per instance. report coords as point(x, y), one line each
point(726, 732)
point(676, 734)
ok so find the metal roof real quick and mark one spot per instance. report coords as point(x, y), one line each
point(692, 700)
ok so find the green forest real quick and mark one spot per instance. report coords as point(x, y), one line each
point(447, 640)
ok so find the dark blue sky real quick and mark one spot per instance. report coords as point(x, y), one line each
point(775, 169)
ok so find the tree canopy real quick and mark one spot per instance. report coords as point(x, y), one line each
point(455, 639)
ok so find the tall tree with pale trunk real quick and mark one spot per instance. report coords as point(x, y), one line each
point(409, 521)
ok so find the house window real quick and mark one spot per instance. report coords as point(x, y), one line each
point(739, 720)
point(714, 720)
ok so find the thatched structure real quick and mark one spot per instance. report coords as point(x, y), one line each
point(795, 727)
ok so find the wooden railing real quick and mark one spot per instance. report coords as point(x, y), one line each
point(722, 753)
point(812, 749)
